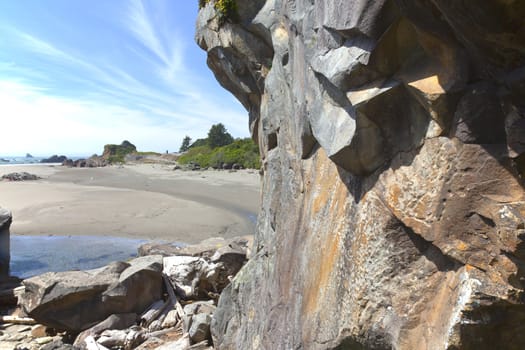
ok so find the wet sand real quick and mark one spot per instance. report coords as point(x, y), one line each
point(143, 201)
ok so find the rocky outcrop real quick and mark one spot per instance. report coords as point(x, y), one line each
point(391, 134)
point(54, 159)
point(5, 253)
point(92, 162)
point(23, 176)
point(126, 305)
point(76, 300)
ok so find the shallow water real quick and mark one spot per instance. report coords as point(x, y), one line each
point(34, 255)
point(19, 160)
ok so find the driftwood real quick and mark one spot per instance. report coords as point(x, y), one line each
point(17, 320)
point(126, 339)
point(171, 293)
point(135, 337)
point(91, 344)
point(157, 313)
point(157, 324)
point(118, 321)
point(163, 332)
point(171, 319)
point(112, 338)
point(153, 312)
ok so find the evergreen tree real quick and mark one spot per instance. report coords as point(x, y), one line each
point(185, 144)
point(218, 136)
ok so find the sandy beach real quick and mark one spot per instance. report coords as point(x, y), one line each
point(147, 201)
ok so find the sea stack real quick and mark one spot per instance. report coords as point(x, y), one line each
point(393, 203)
point(5, 255)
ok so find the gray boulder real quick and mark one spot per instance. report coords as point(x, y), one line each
point(200, 328)
point(193, 277)
point(5, 257)
point(191, 311)
point(199, 307)
point(204, 268)
point(76, 300)
point(117, 321)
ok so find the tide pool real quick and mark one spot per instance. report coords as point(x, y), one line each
point(34, 255)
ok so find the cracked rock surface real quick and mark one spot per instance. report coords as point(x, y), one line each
point(392, 137)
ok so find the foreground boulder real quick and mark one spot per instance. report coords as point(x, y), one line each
point(393, 203)
point(5, 254)
point(76, 300)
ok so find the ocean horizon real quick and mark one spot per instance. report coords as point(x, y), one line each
point(21, 160)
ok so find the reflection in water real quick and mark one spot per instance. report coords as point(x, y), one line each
point(33, 255)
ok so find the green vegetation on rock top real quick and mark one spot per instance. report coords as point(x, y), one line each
point(220, 150)
point(226, 9)
point(218, 136)
point(242, 151)
point(185, 144)
point(116, 153)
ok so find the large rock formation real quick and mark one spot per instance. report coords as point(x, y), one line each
point(76, 300)
point(5, 237)
point(116, 153)
point(392, 136)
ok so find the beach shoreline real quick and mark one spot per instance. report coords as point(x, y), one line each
point(140, 201)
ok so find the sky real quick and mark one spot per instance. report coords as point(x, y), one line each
point(76, 75)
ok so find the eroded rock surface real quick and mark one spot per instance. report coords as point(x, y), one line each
point(392, 137)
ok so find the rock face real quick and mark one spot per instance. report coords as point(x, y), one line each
point(392, 137)
point(76, 300)
point(5, 256)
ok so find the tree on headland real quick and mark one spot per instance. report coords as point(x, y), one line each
point(199, 143)
point(185, 144)
point(220, 151)
point(218, 136)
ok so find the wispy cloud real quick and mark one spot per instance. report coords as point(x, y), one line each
point(166, 47)
point(102, 76)
point(37, 121)
point(40, 46)
point(141, 26)
point(154, 97)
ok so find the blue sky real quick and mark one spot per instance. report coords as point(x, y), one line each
point(75, 75)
